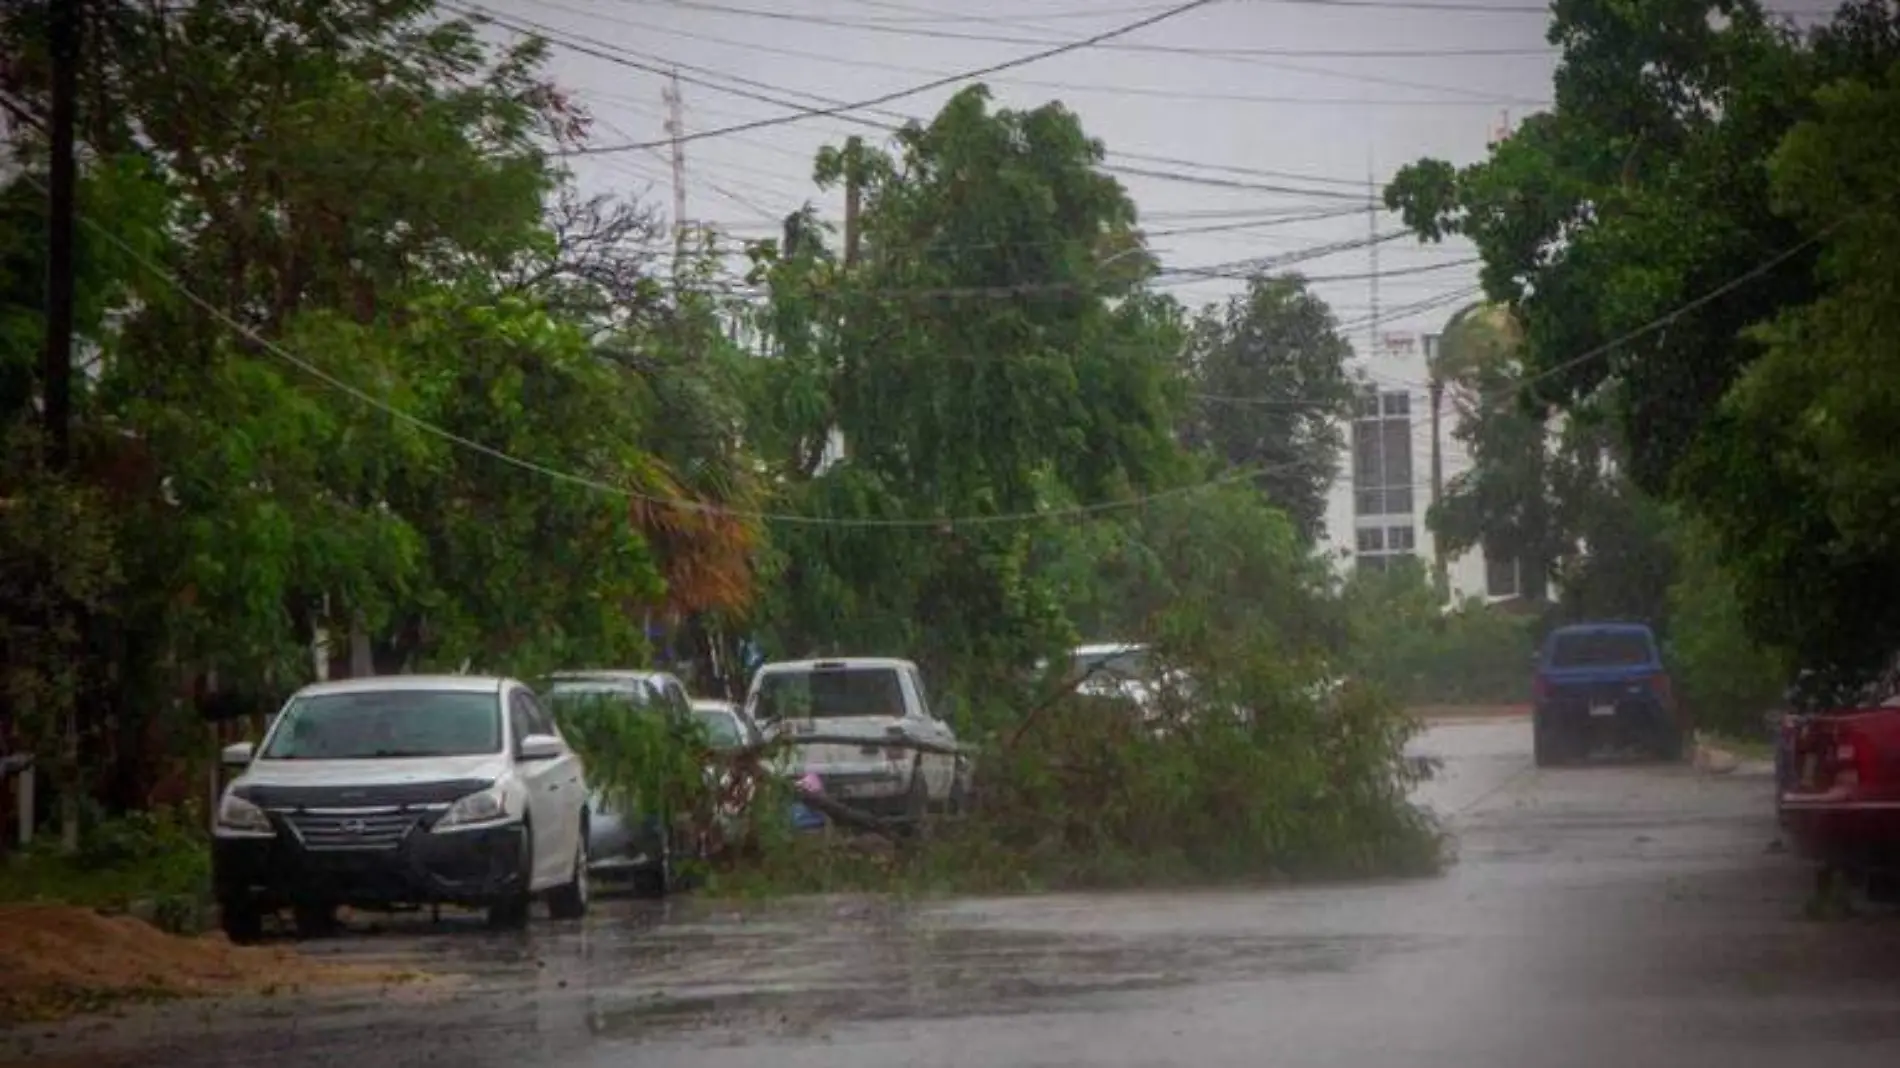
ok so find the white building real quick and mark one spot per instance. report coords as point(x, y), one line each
point(1376, 509)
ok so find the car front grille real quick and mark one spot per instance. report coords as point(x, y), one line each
point(339, 829)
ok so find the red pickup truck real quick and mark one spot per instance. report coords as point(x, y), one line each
point(1839, 789)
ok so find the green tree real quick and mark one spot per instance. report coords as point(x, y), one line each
point(1799, 484)
point(1635, 233)
point(1268, 369)
point(329, 233)
point(1502, 502)
point(977, 357)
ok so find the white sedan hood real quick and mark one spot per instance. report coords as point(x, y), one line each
point(387, 772)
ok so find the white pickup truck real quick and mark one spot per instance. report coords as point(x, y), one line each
point(860, 705)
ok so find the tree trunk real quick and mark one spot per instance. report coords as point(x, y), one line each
point(362, 653)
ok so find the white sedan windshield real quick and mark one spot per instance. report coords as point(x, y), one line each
point(388, 724)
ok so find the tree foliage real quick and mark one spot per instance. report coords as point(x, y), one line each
point(978, 358)
point(1685, 237)
point(1271, 391)
point(370, 385)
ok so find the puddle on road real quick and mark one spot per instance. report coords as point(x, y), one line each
point(942, 973)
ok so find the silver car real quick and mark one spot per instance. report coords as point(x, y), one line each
point(641, 848)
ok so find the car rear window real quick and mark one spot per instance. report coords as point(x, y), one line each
point(830, 693)
point(722, 728)
point(591, 691)
point(1118, 663)
point(1604, 648)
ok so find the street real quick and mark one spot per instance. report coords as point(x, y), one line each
point(1627, 915)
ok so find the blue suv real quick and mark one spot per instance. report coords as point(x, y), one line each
point(1603, 685)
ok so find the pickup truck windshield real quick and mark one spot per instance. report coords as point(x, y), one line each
point(388, 724)
point(1607, 648)
point(830, 693)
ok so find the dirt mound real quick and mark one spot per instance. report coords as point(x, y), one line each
point(56, 960)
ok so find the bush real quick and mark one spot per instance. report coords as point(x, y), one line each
point(1407, 643)
point(641, 760)
point(1725, 679)
point(1245, 773)
point(156, 863)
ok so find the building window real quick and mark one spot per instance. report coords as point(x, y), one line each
point(1382, 454)
point(1380, 546)
point(1501, 578)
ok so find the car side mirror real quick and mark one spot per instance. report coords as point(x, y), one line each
point(537, 747)
point(237, 756)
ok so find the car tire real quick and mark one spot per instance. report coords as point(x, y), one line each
point(315, 920)
point(917, 800)
point(510, 913)
point(241, 920)
point(1544, 751)
point(570, 902)
point(959, 795)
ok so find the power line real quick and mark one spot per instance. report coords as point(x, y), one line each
point(938, 83)
point(830, 108)
point(1123, 46)
point(1087, 87)
point(936, 15)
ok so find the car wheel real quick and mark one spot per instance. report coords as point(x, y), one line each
point(570, 902)
point(241, 920)
point(511, 912)
point(315, 920)
point(917, 802)
point(959, 795)
point(1543, 744)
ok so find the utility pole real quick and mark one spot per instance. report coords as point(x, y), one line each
point(63, 28)
point(1441, 577)
point(57, 369)
point(853, 197)
point(1372, 255)
point(676, 129)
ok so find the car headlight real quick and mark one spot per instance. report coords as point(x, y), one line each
point(238, 816)
point(480, 809)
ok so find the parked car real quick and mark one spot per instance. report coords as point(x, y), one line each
point(1603, 684)
point(726, 724)
point(645, 848)
point(1839, 798)
point(1127, 671)
point(869, 700)
point(730, 728)
point(408, 790)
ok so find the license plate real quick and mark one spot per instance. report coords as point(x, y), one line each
point(1603, 710)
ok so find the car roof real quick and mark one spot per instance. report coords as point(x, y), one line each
point(1107, 648)
point(387, 683)
point(613, 675)
point(1602, 628)
point(833, 662)
point(712, 704)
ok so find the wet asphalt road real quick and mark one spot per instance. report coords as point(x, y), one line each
point(1622, 915)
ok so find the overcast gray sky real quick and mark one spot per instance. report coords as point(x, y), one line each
point(1319, 94)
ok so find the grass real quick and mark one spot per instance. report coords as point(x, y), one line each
point(156, 865)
